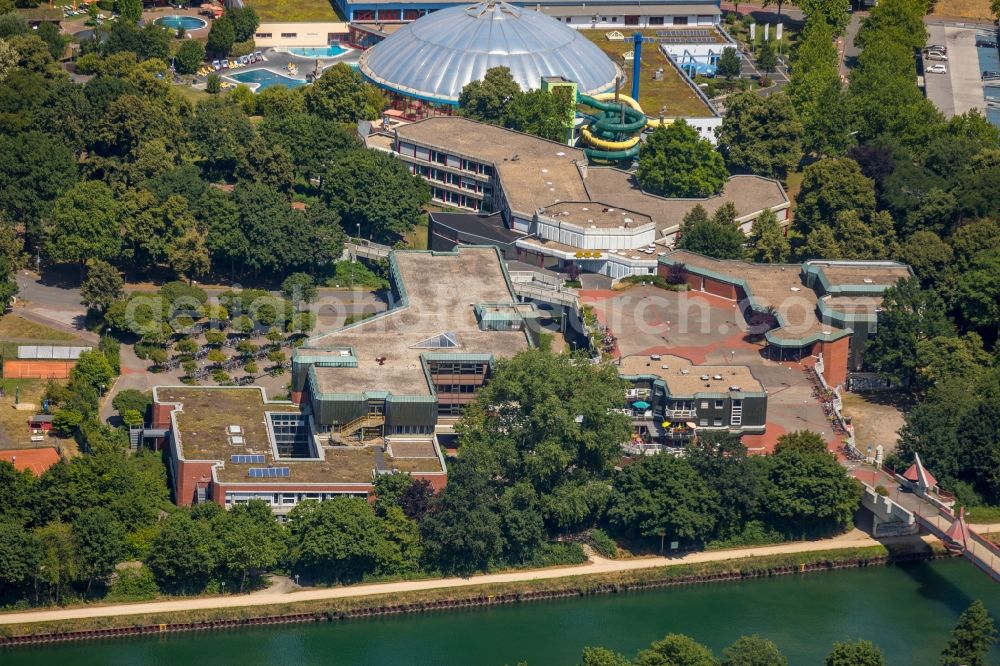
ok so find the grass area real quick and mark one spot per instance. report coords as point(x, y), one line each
point(416, 238)
point(672, 95)
point(968, 9)
point(190, 94)
point(14, 422)
point(13, 327)
point(291, 11)
point(983, 514)
point(582, 585)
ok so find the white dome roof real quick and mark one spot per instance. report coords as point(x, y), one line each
point(434, 57)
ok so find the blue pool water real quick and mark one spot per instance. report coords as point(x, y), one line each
point(265, 78)
point(329, 51)
point(186, 22)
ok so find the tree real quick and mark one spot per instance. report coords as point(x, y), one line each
point(971, 639)
point(761, 135)
point(487, 100)
point(547, 114)
point(830, 187)
point(729, 64)
point(767, 242)
point(521, 520)
point(245, 22)
point(859, 653)
point(866, 239)
point(19, 554)
point(340, 95)
point(213, 84)
point(663, 496)
point(598, 656)
point(251, 540)
point(102, 287)
point(338, 539)
point(183, 556)
point(299, 288)
point(806, 490)
point(190, 55)
point(129, 11)
point(908, 314)
point(85, 225)
point(676, 162)
point(676, 650)
point(100, 543)
point(267, 164)
point(53, 38)
point(753, 651)
point(35, 169)
point(58, 557)
point(927, 255)
point(832, 12)
point(221, 36)
point(767, 61)
point(8, 59)
point(188, 256)
point(377, 191)
point(978, 293)
point(717, 237)
point(313, 142)
point(222, 133)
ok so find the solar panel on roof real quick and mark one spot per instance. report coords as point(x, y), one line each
point(248, 459)
point(268, 472)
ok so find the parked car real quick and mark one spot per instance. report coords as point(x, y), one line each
point(986, 43)
point(936, 69)
point(936, 47)
point(990, 75)
point(935, 55)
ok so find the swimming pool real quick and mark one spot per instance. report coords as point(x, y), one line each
point(259, 79)
point(177, 22)
point(328, 51)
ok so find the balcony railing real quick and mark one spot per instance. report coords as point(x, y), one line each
point(673, 414)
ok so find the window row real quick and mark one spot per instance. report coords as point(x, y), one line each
point(448, 368)
point(455, 388)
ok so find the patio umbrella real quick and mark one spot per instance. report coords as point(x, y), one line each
point(641, 404)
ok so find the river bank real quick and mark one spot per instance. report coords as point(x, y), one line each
point(601, 577)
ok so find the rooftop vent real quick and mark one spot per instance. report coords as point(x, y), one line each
point(235, 430)
point(717, 377)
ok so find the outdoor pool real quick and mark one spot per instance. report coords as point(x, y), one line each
point(177, 22)
point(258, 79)
point(329, 51)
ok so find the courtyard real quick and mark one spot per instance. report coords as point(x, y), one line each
point(708, 329)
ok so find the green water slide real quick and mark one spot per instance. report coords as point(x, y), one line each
point(614, 134)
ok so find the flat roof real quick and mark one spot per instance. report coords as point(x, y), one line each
point(442, 289)
point(487, 227)
point(537, 173)
point(861, 273)
point(686, 379)
point(588, 214)
point(203, 425)
point(781, 287)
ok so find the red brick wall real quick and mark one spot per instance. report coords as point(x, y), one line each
point(189, 474)
point(719, 288)
point(161, 414)
point(834, 359)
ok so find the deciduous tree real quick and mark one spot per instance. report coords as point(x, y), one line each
point(761, 135)
point(102, 287)
point(676, 162)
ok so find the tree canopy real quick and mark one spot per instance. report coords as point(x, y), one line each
point(676, 162)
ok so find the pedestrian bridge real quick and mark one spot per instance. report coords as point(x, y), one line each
point(915, 493)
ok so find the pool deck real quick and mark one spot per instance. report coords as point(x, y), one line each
point(277, 61)
point(152, 15)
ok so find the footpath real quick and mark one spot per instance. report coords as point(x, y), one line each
point(596, 565)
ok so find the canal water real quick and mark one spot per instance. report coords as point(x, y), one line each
point(908, 610)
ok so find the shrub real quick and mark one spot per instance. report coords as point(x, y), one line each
point(603, 544)
point(242, 48)
point(214, 84)
point(132, 399)
point(217, 356)
point(186, 346)
point(190, 367)
point(251, 368)
point(221, 377)
point(88, 63)
point(556, 554)
point(881, 490)
point(158, 355)
point(215, 338)
point(133, 585)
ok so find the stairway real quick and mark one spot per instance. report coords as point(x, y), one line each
point(363, 423)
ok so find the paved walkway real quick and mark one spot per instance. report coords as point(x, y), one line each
point(597, 565)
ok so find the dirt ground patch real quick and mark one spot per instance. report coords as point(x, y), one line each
point(968, 9)
point(876, 419)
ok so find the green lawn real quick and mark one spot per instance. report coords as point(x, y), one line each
point(983, 514)
point(13, 327)
point(292, 11)
point(672, 94)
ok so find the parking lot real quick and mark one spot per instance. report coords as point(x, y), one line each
point(961, 88)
